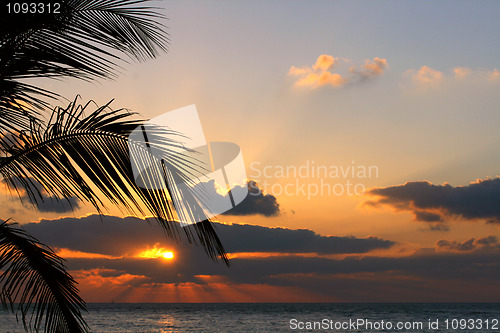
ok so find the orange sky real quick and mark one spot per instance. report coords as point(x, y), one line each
point(334, 85)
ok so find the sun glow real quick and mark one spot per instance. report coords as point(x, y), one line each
point(168, 255)
point(157, 252)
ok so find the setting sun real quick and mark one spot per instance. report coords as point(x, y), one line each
point(168, 255)
point(156, 252)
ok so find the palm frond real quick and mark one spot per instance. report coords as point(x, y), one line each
point(88, 157)
point(35, 280)
point(20, 104)
point(83, 41)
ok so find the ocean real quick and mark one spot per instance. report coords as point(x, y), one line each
point(290, 317)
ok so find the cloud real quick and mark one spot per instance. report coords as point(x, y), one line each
point(431, 275)
point(454, 245)
point(427, 77)
point(461, 73)
point(494, 75)
point(45, 201)
point(321, 74)
point(310, 79)
point(371, 67)
point(472, 244)
point(436, 227)
point(110, 235)
point(465, 73)
point(324, 62)
point(427, 216)
point(248, 238)
point(437, 203)
point(256, 203)
point(426, 276)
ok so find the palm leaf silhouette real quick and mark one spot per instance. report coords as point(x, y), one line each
point(88, 157)
point(82, 151)
point(35, 277)
point(83, 41)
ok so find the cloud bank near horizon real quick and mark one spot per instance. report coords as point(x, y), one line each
point(427, 275)
point(115, 236)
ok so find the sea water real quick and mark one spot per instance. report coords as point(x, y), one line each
point(292, 317)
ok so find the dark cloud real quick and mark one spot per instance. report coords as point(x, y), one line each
point(116, 236)
point(485, 243)
point(427, 216)
point(430, 275)
point(447, 265)
point(108, 235)
point(44, 201)
point(425, 277)
point(248, 238)
point(435, 203)
point(454, 245)
point(256, 202)
point(438, 227)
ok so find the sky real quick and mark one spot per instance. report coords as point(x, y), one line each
point(399, 99)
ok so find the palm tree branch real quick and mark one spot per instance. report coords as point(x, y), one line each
point(89, 157)
point(83, 42)
point(34, 280)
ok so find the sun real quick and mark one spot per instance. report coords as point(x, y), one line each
point(168, 255)
point(157, 252)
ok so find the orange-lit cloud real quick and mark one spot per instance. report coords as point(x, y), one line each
point(321, 79)
point(494, 75)
point(102, 277)
point(101, 285)
point(106, 285)
point(427, 77)
point(461, 73)
point(324, 62)
point(269, 265)
point(318, 74)
point(321, 73)
point(423, 277)
point(68, 253)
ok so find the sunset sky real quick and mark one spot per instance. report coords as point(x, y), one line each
point(409, 89)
